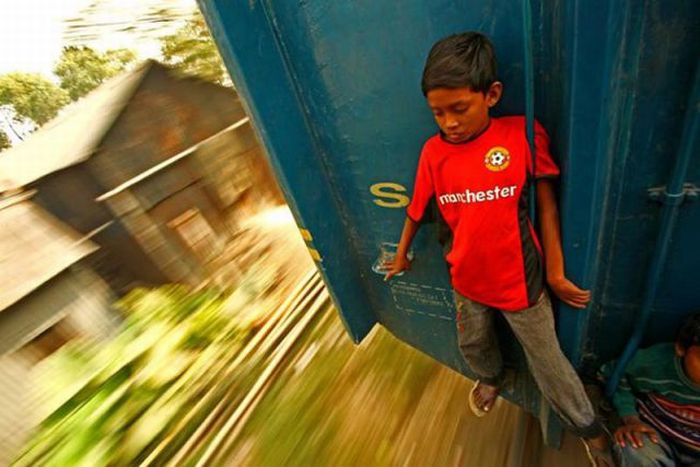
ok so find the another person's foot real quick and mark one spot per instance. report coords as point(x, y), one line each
point(599, 452)
point(482, 397)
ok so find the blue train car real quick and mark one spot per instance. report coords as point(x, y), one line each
point(333, 89)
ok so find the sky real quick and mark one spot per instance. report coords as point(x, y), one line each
point(32, 32)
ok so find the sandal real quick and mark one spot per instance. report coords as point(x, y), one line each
point(599, 457)
point(474, 407)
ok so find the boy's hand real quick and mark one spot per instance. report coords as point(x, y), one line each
point(569, 293)
point(631, 432)
point(399, 264)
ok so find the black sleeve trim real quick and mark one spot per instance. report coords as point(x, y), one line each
point(409, 216)
point(430, 213)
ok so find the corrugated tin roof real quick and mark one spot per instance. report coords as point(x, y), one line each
point(74, 134)
point(34, 247)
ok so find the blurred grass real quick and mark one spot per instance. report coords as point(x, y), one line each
point(321, 414)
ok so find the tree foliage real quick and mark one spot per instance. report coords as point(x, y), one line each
point(81, 69)
point(4, 140)
point(192, 51)
point(31, 96)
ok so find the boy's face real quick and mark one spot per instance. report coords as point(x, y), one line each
point(462, 113)
point(691, 361)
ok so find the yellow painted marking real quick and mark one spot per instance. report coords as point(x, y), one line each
point(387, 196)
point(306, 235)
point(315, 254)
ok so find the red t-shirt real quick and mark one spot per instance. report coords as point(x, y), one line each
point(481, 191)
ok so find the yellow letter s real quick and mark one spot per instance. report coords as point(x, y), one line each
point(388, 191)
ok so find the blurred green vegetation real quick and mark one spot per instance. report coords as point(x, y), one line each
point(192, 50)
point(81, 69)
point(160, 390)
point(112, 402)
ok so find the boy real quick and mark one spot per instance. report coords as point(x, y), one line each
point(659, 399)
point(477, 170)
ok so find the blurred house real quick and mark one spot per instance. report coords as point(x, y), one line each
point(48, 296)
point(158, 169)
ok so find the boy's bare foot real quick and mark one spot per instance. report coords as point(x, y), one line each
point(482, 397)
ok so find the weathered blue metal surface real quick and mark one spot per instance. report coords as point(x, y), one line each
point(672, 197)
point(333, 88)
point(626, 118)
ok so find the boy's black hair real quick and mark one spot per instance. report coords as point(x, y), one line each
point(460, 61)
point(689, 333)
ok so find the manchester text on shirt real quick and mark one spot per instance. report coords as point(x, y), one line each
point(469, 196)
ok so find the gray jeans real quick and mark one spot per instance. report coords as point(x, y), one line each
point(664, 454)
point(534, 329)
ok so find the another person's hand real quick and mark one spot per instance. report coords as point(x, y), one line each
point(569, 293)
point(399, 264)
point(632, 432)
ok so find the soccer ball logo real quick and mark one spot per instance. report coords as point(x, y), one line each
point(497, 159)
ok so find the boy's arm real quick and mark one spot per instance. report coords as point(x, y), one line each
point(566, 290)
point(624, 401)
point(401, 262)
point(423, 191)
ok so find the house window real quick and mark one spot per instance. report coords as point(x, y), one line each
point(196, 232)
point(242, 175)
point(49, 341)
point(233, 179)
